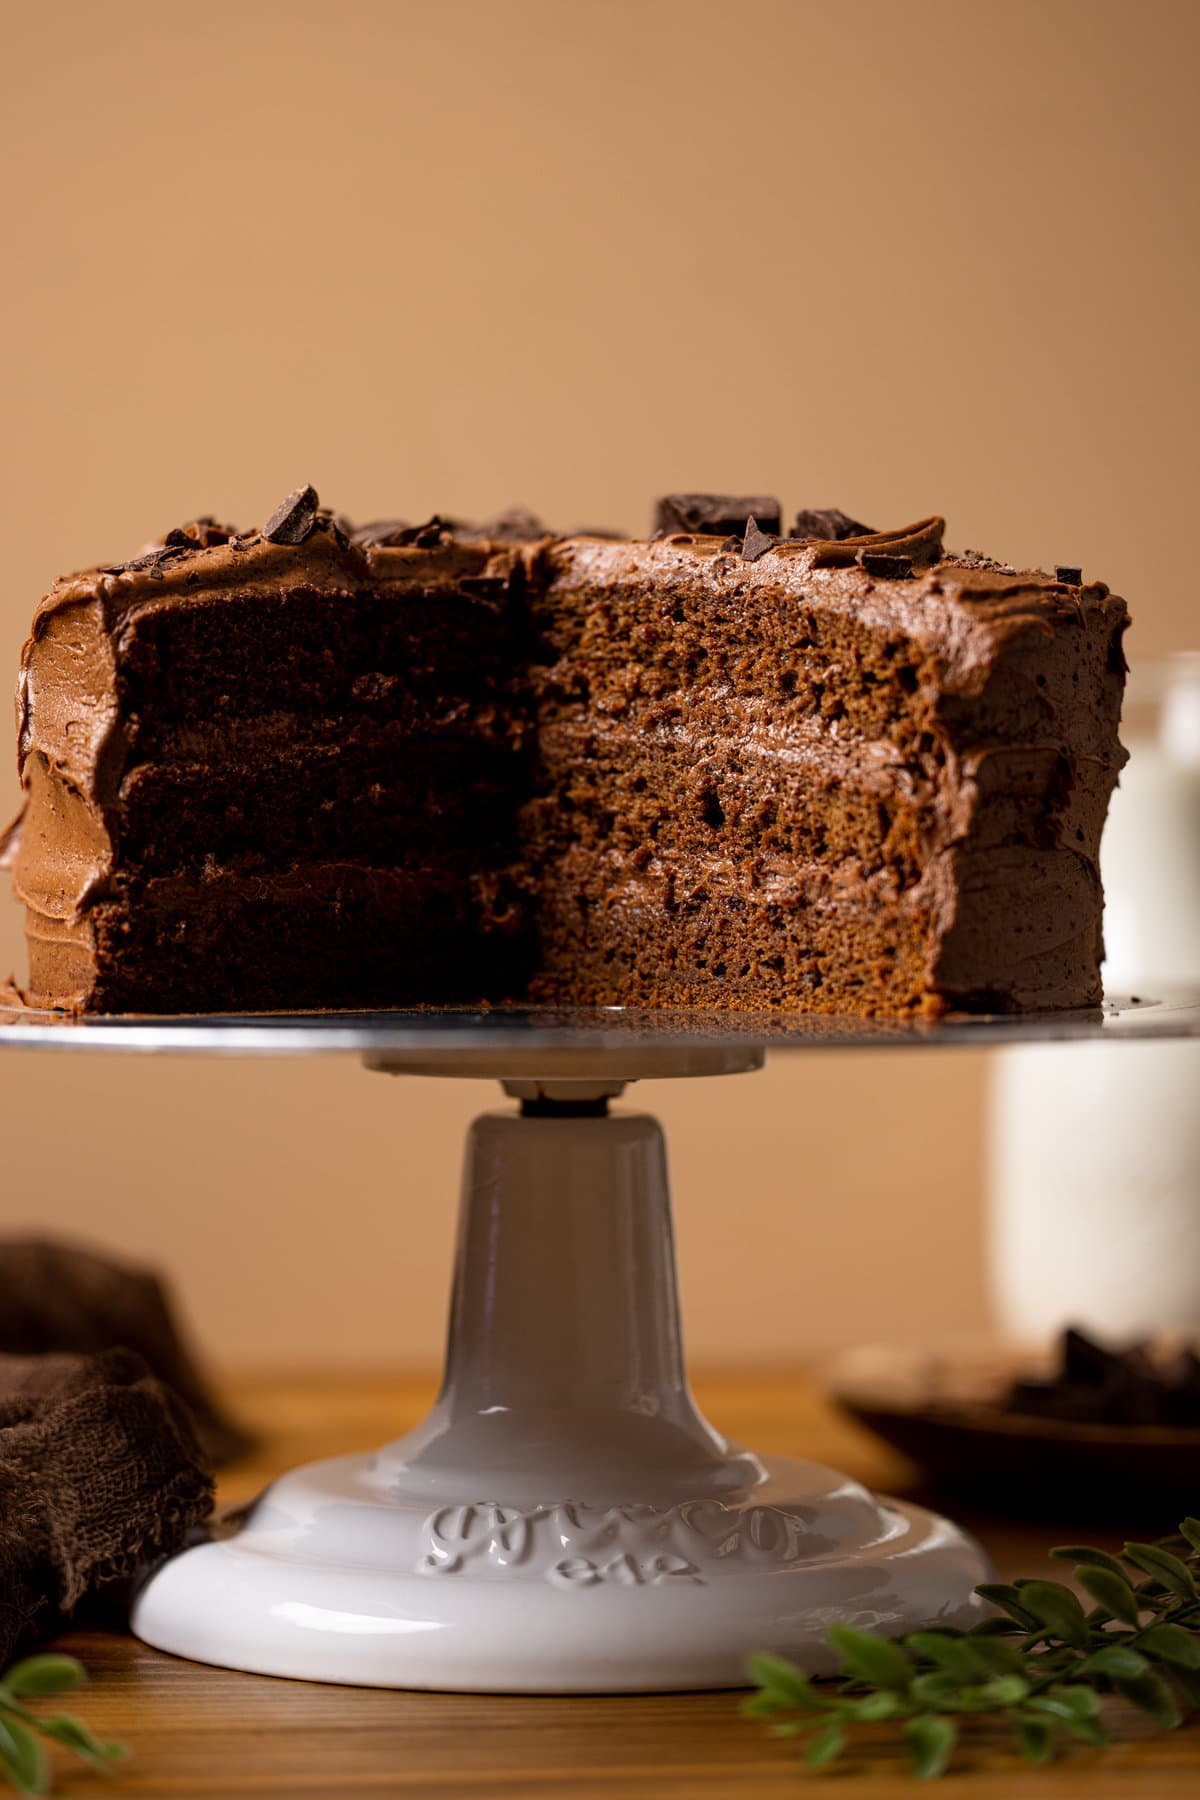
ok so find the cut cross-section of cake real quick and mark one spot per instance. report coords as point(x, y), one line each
point(844, 773)
point(312, 767)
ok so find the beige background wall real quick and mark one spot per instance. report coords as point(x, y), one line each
point(895, 256)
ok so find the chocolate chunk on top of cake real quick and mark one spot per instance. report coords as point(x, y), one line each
point(319, 767)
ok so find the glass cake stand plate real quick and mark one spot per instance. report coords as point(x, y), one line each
point(565, 1520)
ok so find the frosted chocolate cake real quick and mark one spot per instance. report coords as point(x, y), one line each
point(311, 766)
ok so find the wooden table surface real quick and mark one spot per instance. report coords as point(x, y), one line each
point(196, 1731)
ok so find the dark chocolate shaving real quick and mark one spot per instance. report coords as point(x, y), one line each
point(151, 561)
point(756, 543)
point(394, 534)
point(715, 515)
point(337, 527)
point(878, 562)
point(514, 526)
point(828, 524)
point(294, 518)
point(1072, 577)
point(920, 543)
point(198, 534)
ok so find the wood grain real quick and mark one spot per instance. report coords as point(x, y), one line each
point(196, 1731)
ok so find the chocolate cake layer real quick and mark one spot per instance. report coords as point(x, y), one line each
point(405, 801)
point(769, 789)
point(691, 932)
point(319, 936)
point(311, 767)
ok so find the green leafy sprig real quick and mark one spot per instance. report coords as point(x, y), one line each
point(1043, 1662)
point(23, 1757)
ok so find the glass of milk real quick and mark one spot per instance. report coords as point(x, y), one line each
point(1093, 1160)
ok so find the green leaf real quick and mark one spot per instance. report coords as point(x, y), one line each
point(38, 1675)
point(1082, 1702)
point(1084, 1557)
point(872, 1707)
point(829, 1740)
point(1057, 1609)
point(1190, 1529)
point(1005, 1690)
point(929, 1742)
point(1113, 1592)
point(997, 1656)
point(1117, 1661)
point(1172, 1644)
point(1152, 1694)
point(995, 1627)
point(1003, 1595)
point(75, 1736)
point(1037, 1739)
point(23, 1758)
point(1078, 1724)
point(873, 1659)
point(938, 1691)
point(781, 1681)
point(958, 1656)
point(1165, 1568)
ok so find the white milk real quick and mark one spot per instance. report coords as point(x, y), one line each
point(1094, 1149)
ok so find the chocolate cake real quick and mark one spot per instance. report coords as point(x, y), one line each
point(311, 766)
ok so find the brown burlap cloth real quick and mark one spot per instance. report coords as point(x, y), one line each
point(107, 1434)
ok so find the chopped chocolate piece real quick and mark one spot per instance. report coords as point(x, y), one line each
point(715, 515)
point(149, 561)
point(828, 524)
point(756, 543)
point(198, 534)
point(879, 562)
point(394, 534)
point(1063, 572)
point(336, 527)
point(293, 518)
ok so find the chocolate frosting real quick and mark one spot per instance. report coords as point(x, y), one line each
point(1001, 650)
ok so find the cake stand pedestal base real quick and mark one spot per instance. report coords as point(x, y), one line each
point(564, 1521)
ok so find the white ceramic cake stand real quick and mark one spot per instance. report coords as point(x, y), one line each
point(564, 1520)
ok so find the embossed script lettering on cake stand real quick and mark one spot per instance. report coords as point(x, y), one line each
point(564, 1520)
